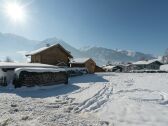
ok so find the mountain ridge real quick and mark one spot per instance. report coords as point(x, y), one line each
point(16, 44)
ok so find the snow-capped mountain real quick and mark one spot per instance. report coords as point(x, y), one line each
point(128, 52)
point(16, 46)
point(85, 48)
point(104, 55)
point(99, 54)
point(75, 52)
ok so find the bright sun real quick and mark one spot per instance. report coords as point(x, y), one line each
point(15, 12)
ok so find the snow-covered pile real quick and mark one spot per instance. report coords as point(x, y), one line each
point(8, 70)
point(16, 65)
point(37, 70)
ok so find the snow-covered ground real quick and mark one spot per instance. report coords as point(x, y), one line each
point(115, 99)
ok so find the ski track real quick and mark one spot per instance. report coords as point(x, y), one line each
point(164, 98)
point(95, 102)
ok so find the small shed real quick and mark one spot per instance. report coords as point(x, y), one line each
point(84, 62)
point(148, 64)
point(52, 55)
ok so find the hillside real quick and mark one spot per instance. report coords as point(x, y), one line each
point(14, 46)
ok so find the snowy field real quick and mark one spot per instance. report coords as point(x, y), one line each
point(114, 99)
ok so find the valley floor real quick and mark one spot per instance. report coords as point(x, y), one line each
point(115, 99)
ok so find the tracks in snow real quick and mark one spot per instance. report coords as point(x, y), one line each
point(153, 96)
point(94, 103)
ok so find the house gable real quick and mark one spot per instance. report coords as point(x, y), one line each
point(53, 55)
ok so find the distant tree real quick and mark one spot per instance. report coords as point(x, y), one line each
point(8, 59)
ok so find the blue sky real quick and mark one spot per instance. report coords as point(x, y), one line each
point(140, 25)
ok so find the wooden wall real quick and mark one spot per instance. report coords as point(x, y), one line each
point(77, 65)
point(30, 79)
point(90, 65)
point(52, 56)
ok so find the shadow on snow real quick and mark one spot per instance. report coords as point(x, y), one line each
point(52, 91)
point(88, 78)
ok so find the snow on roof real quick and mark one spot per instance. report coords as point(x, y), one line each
point(16, 65)
point(79, 60)
point(164, 67)
point(37, 51)
point(108, 67)
point(38, 70)
point(145, 62)
point(45, 48)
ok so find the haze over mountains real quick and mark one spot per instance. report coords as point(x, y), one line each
point(16, 46)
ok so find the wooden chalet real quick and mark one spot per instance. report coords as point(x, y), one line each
point(52, 55)
point(84, 62)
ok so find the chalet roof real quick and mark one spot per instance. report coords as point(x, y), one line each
point(46, 48)
point(146, 62)
point(79, 60)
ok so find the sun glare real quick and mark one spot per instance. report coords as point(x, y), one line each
point(15, 12)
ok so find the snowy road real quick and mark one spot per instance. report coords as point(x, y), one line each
point(115, 99)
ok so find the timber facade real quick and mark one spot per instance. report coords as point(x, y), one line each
point(88, 63)
point(53, 55)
